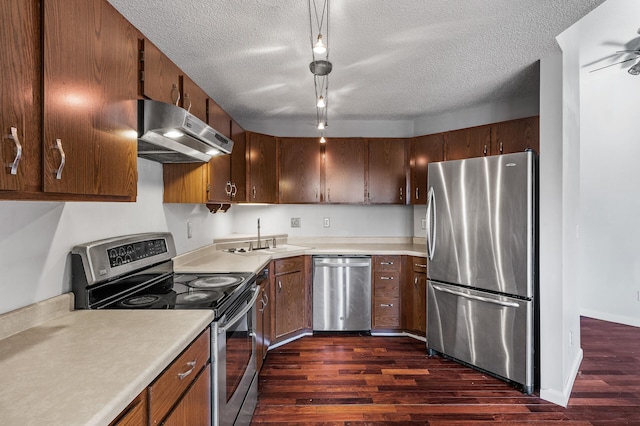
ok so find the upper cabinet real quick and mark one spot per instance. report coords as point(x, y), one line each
point(21, 96)
point(345, 161)
point(300, 162)
point(238, 163)
point(387, 180)
point(90, 92)
point(262, 168)
point(516, 136)
point(159, 76)
point(424, 150)
point(220, 185)
point(467, 143)
point(193, 98)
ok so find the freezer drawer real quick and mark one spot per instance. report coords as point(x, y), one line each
point(491, 332)
point(341, 293)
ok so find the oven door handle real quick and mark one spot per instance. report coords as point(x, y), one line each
point(241, 313)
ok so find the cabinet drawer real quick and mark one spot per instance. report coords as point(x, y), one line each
point(386, 312)
point(419, 264)
point(388, 285)
point(292, 264)
point(135, 414)
point(167, 388)
point(386, 263)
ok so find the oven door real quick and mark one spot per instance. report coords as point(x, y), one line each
point(235, 363)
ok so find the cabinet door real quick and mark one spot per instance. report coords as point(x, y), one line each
point(160, 76)
point(185, 183)
point(238, 163)
point(516, 136)
point(289, 303)
point(194, 407)
point(194, 99)
point(299, 170)
point(467, 143)
point(425, 149)
point(263, 185)
point(135, 414)
point(345, 170)
point(387, 183)
point(220, 185)
point(90, 92)
point(419, 311)
point(20, 95)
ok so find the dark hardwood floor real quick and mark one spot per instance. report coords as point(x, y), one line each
point(335, 380)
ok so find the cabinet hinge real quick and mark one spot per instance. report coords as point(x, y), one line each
point(141, 75)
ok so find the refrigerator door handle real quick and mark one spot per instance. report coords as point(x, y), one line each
point(431, 223)
point(479, 298)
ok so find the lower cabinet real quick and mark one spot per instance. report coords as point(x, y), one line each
point(263, 323)
point(289, 295)
point(135, 414)
point(414, 296)
point(387, 278)
point(195, 406)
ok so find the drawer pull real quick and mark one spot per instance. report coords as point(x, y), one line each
point(387, 305)
point(63, 159)
point(386, 263)
point(419, 265)
point(191, 364)
point(386, 278)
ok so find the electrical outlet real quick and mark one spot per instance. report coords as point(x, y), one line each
point(424, 223)
point(295, 222)
point(327, 222)
point(189, 229)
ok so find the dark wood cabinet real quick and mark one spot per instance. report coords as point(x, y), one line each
point(194, 407)
point(20, 96)
point(238, 163)
point(193, 98)
point(263, 323)
point(345, 160)
point(90, 92)
point(159, 76)
point(387, 177)
point(414, 296)
point(516, 136)
point(220, 185)
point(467, 143)
point(289, 297)
point(185, 183)
point(262, 168)
point(387, 278)
point(135, 414)
point(300, 163)
point(424, 150)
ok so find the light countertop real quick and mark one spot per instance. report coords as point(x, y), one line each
point(84, 367)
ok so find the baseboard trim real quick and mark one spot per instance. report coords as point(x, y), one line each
point(562, 397)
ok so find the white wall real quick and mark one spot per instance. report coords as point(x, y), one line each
point(609, 172)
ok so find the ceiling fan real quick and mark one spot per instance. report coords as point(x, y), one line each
point(635, 69)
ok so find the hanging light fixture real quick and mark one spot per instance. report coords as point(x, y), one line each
point(320, 66)
point(635, 70)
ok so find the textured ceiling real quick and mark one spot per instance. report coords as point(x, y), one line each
point(392, 60)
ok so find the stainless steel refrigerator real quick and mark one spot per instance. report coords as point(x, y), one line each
point(481, 256)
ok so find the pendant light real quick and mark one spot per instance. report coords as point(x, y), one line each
point(320, 66)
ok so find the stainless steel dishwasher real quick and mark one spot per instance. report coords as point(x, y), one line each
point(341, 293)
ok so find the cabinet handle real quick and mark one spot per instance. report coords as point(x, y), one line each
point(174, 88)
point(228, 188)
point(485, 149)
point(420, 265)
point(387, 305)
point(279, 285)
point(187, 98)
point(191, 364)
point(500, 147)
point(266, 302)
point(386, 263)
point(316, 194)
point(234, 190)
point(400, 194)
point(386, 278)
point(417, 192)
point(415, 282)
point(14, 165)
point(63, 159)
point(329, 194)
point(254, 191)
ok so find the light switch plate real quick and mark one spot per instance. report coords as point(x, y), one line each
point(295, 222)
point(327, 222)
point(189, 229)
point(424, 224)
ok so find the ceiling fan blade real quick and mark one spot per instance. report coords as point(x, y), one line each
point(636, 51)
point(610, 65)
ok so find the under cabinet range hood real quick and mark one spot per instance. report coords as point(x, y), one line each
point(170, 134)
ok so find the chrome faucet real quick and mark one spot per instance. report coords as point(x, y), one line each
point(259, 245)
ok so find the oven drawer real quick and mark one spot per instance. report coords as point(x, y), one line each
point(167, 388)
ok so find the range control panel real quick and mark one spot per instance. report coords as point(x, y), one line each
point(128, 253)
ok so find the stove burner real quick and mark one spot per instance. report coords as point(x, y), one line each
point(199, 297)
point(139, 301)
point(216, 281)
